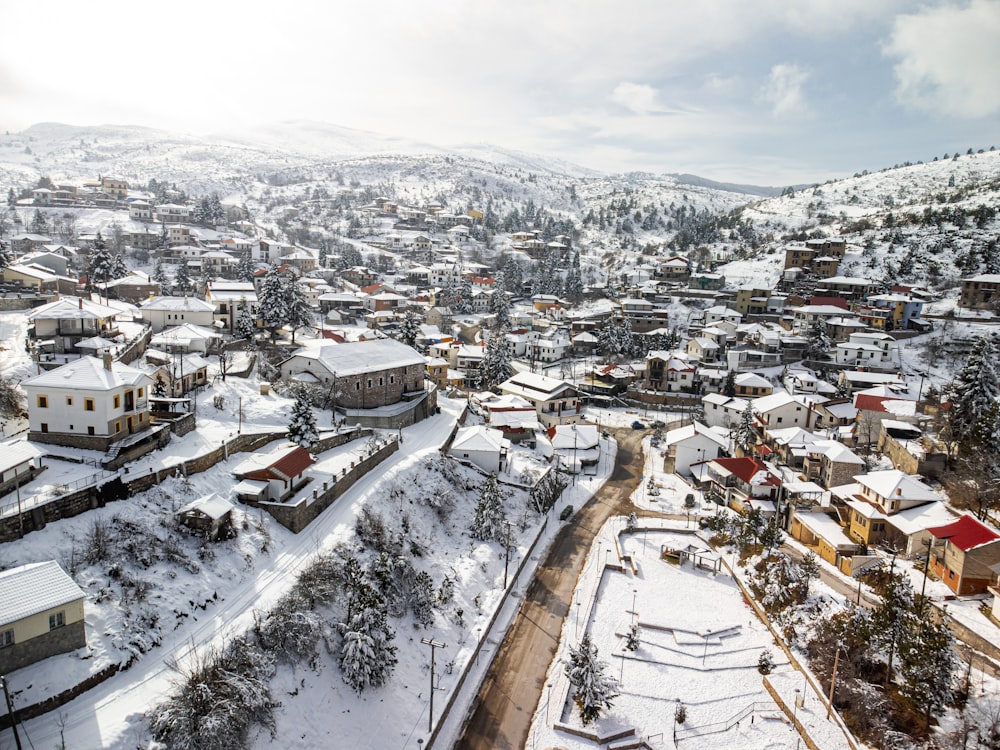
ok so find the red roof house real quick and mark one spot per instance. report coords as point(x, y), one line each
point(962, 553)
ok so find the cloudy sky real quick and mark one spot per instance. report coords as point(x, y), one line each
point(763, 91)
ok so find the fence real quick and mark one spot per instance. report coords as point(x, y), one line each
point(474, 657)
point(681, 733)
point(23, 505)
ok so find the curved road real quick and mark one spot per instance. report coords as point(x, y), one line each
point(501, 715)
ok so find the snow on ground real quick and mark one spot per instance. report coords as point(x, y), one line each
point(199, 596)
point(699, 645)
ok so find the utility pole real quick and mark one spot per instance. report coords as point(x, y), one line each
point(506, 555)
point(833, 681)
point(434, 646)
point(10, 711)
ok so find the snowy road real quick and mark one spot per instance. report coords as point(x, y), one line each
point(110, 715)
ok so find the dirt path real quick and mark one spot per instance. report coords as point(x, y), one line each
point(501, 715)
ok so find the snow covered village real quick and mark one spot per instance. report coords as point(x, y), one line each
point(408, 451)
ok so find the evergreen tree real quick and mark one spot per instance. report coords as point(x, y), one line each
point(490, 522)
point(6, 256)
point(818, 342)
point(273, 309)
point(513, 276)
point(973, 391)
point(593, 690)
point(246, 328)
point(500, 305)
point(746, 434)
point(927, 664)
point(302, 428)
point(496, 366)
point(160, 277)
point(159, 388)
point(245, 268)
point(409, 330)
point(118, 268)
point(39, 224)
point(729, 386)
point(100, 264)
point(299, 312)
point(893, 617)
point(182, 277)
point(216, 212)
point(574, 281)
point(367, 656)
point(464, 296)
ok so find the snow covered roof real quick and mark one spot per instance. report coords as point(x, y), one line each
point(178, 304)
point(530, 385)
point(184, 334)
point(89, 374)
point(923, 517)
point(894, 483)
point(33, 588)
point(825, 527)
point(75, 308)
point(16, 452)
point(360, 357)
point(213, 506)
point(694, 429)
point(570, 436)
point(478, 438)
point(836, 451)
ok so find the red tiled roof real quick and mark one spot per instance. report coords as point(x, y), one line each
point(832, 301)
point(966, 533)
point(868, 402)
point(289, 465)
point(746, 468)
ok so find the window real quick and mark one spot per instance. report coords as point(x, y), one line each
point(369, 382)
point(88, 404)
point(118, 401)
point(141, 415)
point(43, 402)
point(45, 426)
point(6, 638)
point(118, 426)
point(69, 401)
point(90, 430)
point(57, 620)
point(357, 386)
point(141, 392)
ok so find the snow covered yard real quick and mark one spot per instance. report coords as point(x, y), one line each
point(699, 645)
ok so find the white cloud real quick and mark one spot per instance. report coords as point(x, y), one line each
point(637, 98)
point(948, 59)
point(783, 90)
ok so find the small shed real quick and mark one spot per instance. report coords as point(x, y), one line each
point(211, 515)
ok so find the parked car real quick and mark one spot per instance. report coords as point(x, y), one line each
point(637, 425)
point(566, 513)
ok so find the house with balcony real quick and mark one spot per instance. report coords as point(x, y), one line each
point(88, 403)
point(980, 292)
point(60, 325)
point(867, 350)
point(965, 554)
point(693, 444)
point(555, 401)
point(167, 312)
point(830, 463)
point(742, 484)
point(875, 497)
point(229, 299)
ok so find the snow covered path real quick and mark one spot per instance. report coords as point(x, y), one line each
point(110, 715)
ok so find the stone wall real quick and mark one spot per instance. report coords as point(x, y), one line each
point(22, 478)
point(298, 516)
point(67, 638)
point(86, 442)
point(71, 504)
point(153, 441)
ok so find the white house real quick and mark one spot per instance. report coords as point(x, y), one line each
point(162, 312)
point(556, 401)
point(483, 446)
point(691, 444)
point(576, 445)
point(722, 411)
point(782, 409)
point(89, 403)
point(41, 614)
point(867, 350)
point(229, 298)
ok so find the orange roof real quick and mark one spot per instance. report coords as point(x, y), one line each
point(287, 466)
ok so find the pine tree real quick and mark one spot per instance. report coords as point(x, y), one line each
point(367, 656)
point(246, 328)
point(513, 276)
point(973, 391)
point(299, 312)
point(302, 428)
point(593, 690)
point(6, 256)
point(464, 296)
point(409, 330)
point(118, 268)
point(160, 388)
point(496, 366)
point(245, 268)
point(574, 281)
point(273, 310)
point(160, 277)
point(893, 617)
point(729, 386)
point(99, 262)
point(182, 277)
point(490, 522)
point(746, 434)
point(39, 224)
point(818, 343)
point(500, 305)
point(927, 664)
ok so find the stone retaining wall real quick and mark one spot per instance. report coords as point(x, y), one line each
point(67, 638)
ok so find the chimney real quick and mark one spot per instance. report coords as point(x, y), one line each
point(107, 361)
